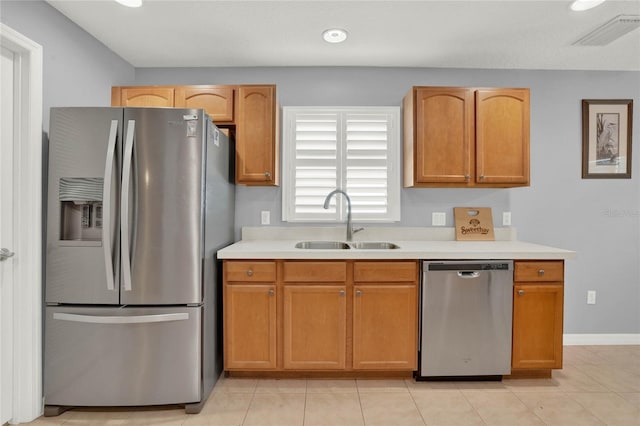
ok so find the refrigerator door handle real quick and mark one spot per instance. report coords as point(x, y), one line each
point(138, 319)
point(124, 202)
point(106, 205)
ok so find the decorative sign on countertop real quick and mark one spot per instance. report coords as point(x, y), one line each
point(473, 224)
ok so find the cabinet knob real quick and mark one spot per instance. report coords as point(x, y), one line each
point(267, 174)
point(271, 292)
point(541, 272)
point(467, 177)
point(520, 292)
point(341, 292)
point(358, 292)
point(250, 272)
point(481, 177)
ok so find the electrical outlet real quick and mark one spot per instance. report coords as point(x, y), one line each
point(265, 217)
point(438, 219)
point(591, 297)
point(506, 218)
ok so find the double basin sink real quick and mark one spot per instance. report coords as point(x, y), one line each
point(339, 245)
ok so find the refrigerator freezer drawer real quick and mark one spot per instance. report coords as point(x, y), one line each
point(122, 356)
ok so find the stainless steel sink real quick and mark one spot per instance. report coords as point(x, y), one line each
point(323, 245)
point(372, 245)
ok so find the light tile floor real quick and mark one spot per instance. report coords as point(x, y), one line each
point(599, 385)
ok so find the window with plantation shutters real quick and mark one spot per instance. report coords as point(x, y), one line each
point(355, 149)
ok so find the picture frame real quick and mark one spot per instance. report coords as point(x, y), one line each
point(606, 138)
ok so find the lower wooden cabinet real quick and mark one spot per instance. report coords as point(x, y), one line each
point(385, 327)
point(250, 315)
point(321, 315)
point(315, 327)
point(250, 327)
point(538, 300)
point(349, 315)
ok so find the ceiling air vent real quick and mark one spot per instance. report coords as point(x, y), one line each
point(615, 28)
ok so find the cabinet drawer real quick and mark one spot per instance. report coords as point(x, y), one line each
point(385, 272)
point(315, 271)
point(250, 271)
point(535, 270)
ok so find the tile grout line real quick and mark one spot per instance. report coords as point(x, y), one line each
point(364, 421)
point(424, 421)
point(531, 409)
point(609, 390)
point(246, 413)
point(587, 409)
point(304, 408)
point(470, 404)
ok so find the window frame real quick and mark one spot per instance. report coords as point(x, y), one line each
point(394, 166)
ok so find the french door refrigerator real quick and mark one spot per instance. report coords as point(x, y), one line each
point(139, 201)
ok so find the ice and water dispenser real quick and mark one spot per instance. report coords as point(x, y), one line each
point(81, 209)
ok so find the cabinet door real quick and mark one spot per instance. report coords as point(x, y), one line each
point(256, 142)
point(537, 326)
point(217, 101)
point(444, 122)
point(144, 96)
point(249, 326)
point(385, 327)
point(314, 327)
point(502, 136)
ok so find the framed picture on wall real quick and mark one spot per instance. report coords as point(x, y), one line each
point(606, 138)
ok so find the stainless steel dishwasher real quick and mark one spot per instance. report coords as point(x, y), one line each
point(466, 317)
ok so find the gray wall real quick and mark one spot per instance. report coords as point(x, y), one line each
point(78, 69)
point(600, 219)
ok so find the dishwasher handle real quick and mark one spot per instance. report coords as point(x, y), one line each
point(468, 274)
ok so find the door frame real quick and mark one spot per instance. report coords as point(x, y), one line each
point(27, 294)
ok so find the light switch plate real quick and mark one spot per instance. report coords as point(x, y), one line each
point(438, 219)
point(265, 217)
point(591, 297)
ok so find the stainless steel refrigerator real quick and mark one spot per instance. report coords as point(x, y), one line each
point(139, 201)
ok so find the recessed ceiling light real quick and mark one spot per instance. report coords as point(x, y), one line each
point(130, 3)
point(334, 35)
point(580, 5)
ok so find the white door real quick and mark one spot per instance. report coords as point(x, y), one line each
point(20, 227)
point(6, 235)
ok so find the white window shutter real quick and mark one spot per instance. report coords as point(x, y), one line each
point(354, 149)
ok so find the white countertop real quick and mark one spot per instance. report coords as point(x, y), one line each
point(414, 243)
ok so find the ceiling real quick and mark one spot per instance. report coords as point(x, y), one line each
point(508, 34)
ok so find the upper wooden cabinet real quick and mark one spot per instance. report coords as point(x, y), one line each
point(217, 101)
point(251, 110)
point(150, 96)
point(466, 137)
point(257, 148)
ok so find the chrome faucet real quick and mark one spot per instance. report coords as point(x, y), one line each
point(350, 230)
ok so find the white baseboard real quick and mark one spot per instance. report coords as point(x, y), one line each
point(600, 339)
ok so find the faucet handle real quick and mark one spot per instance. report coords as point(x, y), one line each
point(357, 230)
